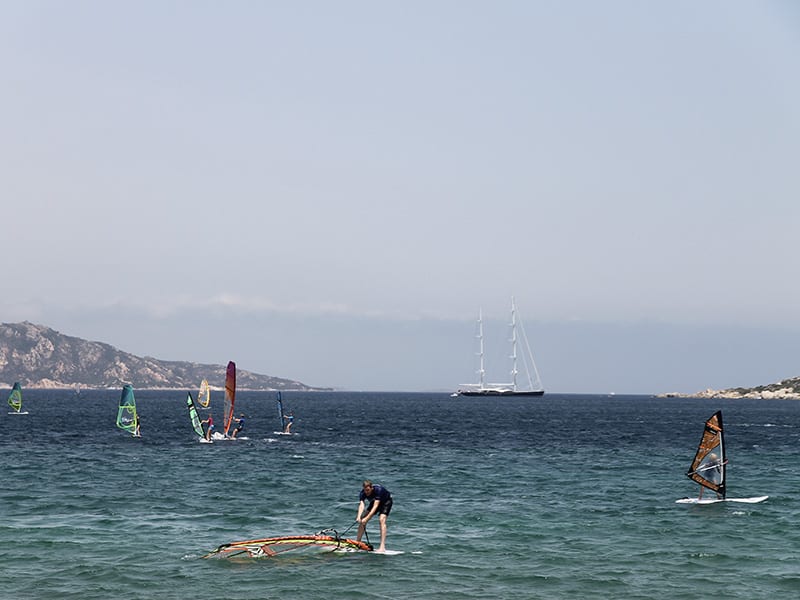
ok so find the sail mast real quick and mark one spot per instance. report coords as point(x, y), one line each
point(481, 370)
point(528, 362)
point(513, 345)
point(280, 412)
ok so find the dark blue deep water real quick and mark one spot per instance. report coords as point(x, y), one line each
point(564, 496)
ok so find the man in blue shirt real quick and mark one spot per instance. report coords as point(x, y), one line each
point(239, 426)
point(289, 422)
point(380, 503)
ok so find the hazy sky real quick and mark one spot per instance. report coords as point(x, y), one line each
point(329, 191)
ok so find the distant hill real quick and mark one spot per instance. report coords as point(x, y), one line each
point(788, 389)
point(40, 357)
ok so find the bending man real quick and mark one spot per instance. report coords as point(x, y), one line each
point(380, 503)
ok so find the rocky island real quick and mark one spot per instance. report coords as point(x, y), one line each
point(40, 357)
point(787, 389)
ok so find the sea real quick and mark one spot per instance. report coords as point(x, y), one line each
point(563, 496)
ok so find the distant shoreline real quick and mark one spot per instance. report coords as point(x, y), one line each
point(89, 388)
point(785, 393)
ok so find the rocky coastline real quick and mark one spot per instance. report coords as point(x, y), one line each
point(787, 389)
point(37, 356)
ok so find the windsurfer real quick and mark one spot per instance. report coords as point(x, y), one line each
point(711, 469)
point(210, 426)
point(380, 502)
point(239, 426)
point(137, 426)
point(289, 422)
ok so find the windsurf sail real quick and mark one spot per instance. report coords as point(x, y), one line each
point(15, 398)
point(230, 396)
point(709, 464)
point(127, 418)
point(193, 416)
point(328, 539)
point(204, 395)
point(280, 412)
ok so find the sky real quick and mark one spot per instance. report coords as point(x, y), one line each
point(331, 191)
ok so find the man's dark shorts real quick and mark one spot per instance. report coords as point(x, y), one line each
point(384, 509)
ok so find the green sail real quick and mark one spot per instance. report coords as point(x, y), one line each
point(127, 418)
point(15, 399)
point(193, 416)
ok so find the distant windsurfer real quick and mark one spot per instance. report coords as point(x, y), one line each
point(137, 427)
point(239, 426)
point(289, 422)
point(209, 422)
point(710, 469)
point(380, 502)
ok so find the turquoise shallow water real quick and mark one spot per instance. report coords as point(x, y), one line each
point(556, 497)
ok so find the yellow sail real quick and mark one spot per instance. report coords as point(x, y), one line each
point(204, 396)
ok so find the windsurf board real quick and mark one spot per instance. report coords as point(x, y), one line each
point(752, 500)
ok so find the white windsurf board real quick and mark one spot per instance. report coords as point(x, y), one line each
point(752, 500)
point(227, 438)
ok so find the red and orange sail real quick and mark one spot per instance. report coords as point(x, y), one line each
point(230, 396)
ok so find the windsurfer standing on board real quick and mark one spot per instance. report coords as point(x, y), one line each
point(239, 425)
point(289, 422)
point(711, 469)
point(210, 428)
point(380, 501)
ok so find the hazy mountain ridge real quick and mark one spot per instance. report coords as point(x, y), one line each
point(40, 357)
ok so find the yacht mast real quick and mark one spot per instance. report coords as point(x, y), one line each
point(481, 370)
point(513, 345)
